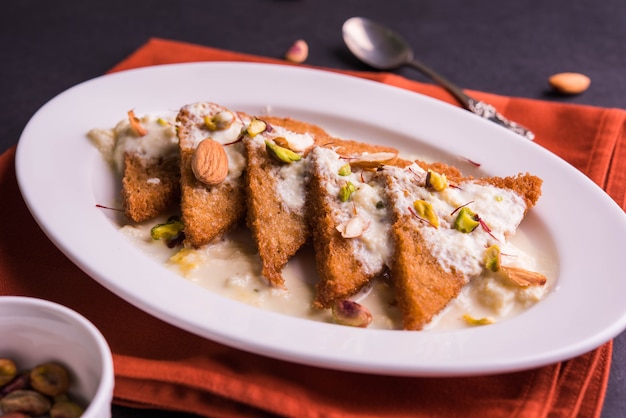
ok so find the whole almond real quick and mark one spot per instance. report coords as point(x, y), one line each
point(209, 162)
point(569, 83)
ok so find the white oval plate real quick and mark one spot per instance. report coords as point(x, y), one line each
point(62, 178)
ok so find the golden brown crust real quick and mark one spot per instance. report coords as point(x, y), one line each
point(348, 147)
point(451, 172)
point(149, 186)
point(422, 287)
point(278, 232)
point(526, 185)
point(208, 212)
point(319, 135)
point(341, 274)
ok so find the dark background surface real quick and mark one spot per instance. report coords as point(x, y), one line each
point(508, 48)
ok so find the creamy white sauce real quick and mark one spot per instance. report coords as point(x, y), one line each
point(160, 141)
point(198, 132)
point(373, 247)
point(297, 142)
point(501, 210)
point(290, 178)
point(231, 266)
point(290, 185)
point(492, 296)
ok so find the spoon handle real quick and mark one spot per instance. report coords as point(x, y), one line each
point(489, 112)
point(481, 109)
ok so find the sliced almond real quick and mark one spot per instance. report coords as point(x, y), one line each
point(210, 162)
point(353, 228)
point(522, 277)
point(373, 160)
point(281, 142)
point(295, 142)
point(135, 123)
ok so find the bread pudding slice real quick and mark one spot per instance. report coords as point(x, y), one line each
point(276, 189)
point(349, 218)
point(144, 152)
point(150, 186)
point(209, 211)
point(441, 232)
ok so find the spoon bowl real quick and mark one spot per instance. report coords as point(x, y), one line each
point(375, 45)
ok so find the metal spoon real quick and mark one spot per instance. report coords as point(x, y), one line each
point(383, 49)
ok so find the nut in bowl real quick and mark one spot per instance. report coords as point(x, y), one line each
point(54, 356)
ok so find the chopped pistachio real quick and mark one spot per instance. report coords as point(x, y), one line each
point(220, 121)
point(425, 211)
point(163, 122)
point(255, 127)
point(281, 154)
point(345, 192)
point(466, 221)
point(499, 198)
point(492, 258)
point(435, 180)
point(345, 170)
point(478, 321)
point(167, 230)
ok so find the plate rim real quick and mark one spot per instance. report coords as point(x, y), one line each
point(342, 361)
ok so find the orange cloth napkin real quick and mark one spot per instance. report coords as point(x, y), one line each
point(160, 366)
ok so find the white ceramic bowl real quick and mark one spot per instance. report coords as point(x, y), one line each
point(33, 331)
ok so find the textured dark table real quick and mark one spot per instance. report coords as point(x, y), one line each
point(508, 48)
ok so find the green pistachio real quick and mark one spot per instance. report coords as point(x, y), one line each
point(167, 230)
point(435, 180)
point(466, 221)
point(345, 170)
point(220, 121)
point(279, 153)
point(425, 211)
point(345, 192)
point(492, 258)
point(255, 127)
